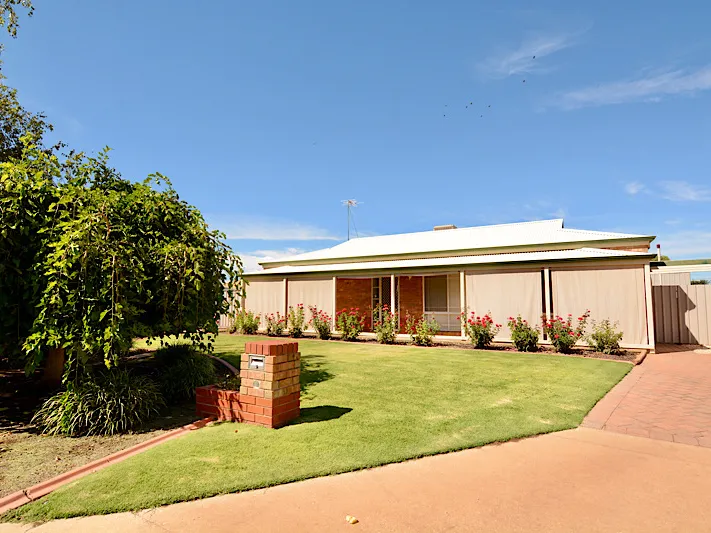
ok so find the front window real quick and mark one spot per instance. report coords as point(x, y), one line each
point(442, 301)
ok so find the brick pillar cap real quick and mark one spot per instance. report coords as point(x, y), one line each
point(271, 347)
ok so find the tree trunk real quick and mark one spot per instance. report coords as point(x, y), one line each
point(53, 368)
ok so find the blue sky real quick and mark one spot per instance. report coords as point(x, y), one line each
point(266, 115)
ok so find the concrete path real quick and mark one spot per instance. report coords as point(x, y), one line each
point(667, 397)
point(577, 480)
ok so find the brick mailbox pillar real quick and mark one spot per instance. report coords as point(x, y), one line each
point(270, 375)
point(270, 389)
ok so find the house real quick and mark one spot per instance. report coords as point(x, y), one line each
point(535, 269)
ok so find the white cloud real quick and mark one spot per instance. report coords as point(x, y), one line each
point(682, 191)
point(687, 244)
point(527, 58)
point(650, 88)
point(251, 260)
point(256, 228)
point(634, 187)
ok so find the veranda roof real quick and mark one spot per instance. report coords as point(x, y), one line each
point(467, 260)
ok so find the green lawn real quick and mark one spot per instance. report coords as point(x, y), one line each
point(362, 405)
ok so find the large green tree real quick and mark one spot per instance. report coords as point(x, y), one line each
point(91, 260)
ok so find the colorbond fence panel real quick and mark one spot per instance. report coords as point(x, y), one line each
point(682, 314)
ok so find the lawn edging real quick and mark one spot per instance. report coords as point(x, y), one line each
point(22, 497)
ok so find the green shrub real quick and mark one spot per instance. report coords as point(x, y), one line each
point(276, 324)
point(113, 401)
point(421, 330)
point(295, 319)
point(605, 338)
point(246, 322)
point(181, 370)
point(561, 332)
point(480, 329)
point(387, 325)
point(321, 322)
point(350, 322)
point(523, 335)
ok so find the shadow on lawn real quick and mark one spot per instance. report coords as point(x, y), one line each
point(312, 372)
point(320, 414)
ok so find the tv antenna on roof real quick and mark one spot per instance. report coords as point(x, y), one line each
point(351, 204)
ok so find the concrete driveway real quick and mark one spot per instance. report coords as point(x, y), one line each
point(577, 480)
point(667, 397)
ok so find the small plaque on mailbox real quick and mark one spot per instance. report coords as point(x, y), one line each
point(256, 362)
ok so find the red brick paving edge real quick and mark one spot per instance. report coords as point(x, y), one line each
point(17, 499)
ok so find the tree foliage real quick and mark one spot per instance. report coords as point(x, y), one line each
point(15, 122)
point(8, 14)
point(91, 260)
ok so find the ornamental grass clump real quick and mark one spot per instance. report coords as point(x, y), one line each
point(276, 324)
point(108, 403)
point(350, 323)
point(523, 335)
point(561, 332)
point(605, 338)
point(421, 329)
point(246, 322)
point(295, 320)
point(321, 322)
point(481, 330)
point(387, 325)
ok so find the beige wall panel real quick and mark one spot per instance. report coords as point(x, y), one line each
point(505, 294)
point(614, 293)
point(316, 292)
point(264, 297)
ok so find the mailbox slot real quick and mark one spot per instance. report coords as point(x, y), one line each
point(256, 362)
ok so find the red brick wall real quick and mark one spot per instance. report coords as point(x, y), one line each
point(355, 293)
point(410, 298)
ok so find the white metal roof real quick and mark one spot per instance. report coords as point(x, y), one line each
point(520, 257)
point(481, 237)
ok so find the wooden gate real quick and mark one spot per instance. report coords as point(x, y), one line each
point(682, 312)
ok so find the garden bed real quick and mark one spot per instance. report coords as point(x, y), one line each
point(456, 343)
point(28, 458)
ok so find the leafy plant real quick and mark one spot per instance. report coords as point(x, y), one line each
point(480, 330)
point(561, 332)
point(321, 322)
point(114, 401)
point(523, 335)
point(295, 319)
point(246, 322)
point(350, 322)
point(103, 260)
point(700, 282)
point(387, 325)
point(604, 337)
point(276, 324)
point(421, 329)
point(181, 370)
